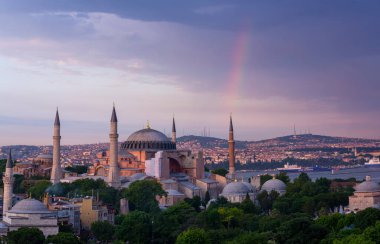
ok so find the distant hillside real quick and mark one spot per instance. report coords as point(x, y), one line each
point(304, 139)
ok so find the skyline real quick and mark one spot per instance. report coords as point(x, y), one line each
point(272, 65)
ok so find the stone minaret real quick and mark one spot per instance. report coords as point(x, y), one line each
point(231, 150)
point(174, 136)
point(8, 180)
point(113, 172)
point(56, 172)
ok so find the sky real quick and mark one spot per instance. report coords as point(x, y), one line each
point(271, 64)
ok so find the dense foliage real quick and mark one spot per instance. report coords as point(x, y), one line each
point(79, 169)
point(303, 215)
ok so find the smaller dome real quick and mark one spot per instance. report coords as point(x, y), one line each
point(236, 188)
point(29, 205)
point(274, 185)
point(367, 186)
point(250, 187)
point(137, 176)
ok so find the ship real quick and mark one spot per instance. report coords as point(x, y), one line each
point(374, 162)
point(290, 168)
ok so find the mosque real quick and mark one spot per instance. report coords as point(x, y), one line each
point(149, 153)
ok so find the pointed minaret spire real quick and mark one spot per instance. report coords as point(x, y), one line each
point(231, 150)
point(8, 180)
point(9, 160)
point(231, 125)
point(113, 171)
point(174, 132)
point(56, 121)
point(113, 116)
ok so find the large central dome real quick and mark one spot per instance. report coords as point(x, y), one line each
point(148, 139)
point(148, 135)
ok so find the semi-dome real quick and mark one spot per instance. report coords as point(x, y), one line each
point(274, 185)
point(148, 139)
point(367, 186)
point(29, 205)
point(236, 188)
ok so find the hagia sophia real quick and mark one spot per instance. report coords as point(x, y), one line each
point(146, 154)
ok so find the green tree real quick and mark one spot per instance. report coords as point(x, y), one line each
point(103, 230)
point(79, 169)
point(62, 238)
point(366, 217)
point(37, 191)
point(231, 217)
point(135, 228)
point(283, 177)
point(220, 171)
point(193, 236)
point(173, 221)
point(265, 178)
point(248, 238)
point(207, 197)
point(142, 195)
point(26, 235)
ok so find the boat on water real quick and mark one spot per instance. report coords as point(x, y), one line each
point(374, 162)
point(290, 168)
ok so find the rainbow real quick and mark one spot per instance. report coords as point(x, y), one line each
point(236, 74)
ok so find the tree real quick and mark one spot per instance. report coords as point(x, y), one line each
point(195, 202)
point(248, 238)
point(265, 178)
point(142, 195)
point(79, 169)
point(283, 177)
point(173, 221)
point(135, 228)
point(62, 238)
point(102, 230)
point(193, 236)
point(37, 191)
point(207, 197)
point(26, 235)
point(220, 171)
point(366, 217)
point(230, 216)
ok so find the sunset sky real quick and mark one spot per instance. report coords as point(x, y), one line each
point(272, 64)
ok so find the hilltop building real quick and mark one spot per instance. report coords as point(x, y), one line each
point(40, 166)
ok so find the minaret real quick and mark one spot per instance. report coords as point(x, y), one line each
point(174, 136)
point(231, 150)
point(113, 171)
point(56, 172)
point(8, 180)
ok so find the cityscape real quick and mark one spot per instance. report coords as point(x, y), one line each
point(102, 102)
